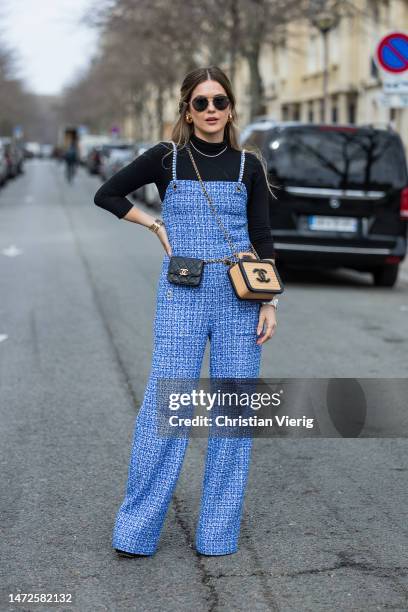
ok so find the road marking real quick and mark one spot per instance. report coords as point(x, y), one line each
point(12, 251)
point(3, 337)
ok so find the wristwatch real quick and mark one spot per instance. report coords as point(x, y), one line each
point(273, 302)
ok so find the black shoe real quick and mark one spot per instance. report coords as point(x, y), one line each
point(124, 553)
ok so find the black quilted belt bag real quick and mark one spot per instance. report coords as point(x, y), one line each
point(185, 270)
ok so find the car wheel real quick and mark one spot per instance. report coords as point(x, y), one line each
point(386, 276)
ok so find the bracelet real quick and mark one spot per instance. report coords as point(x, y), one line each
point(272, 302)
point(156, 225)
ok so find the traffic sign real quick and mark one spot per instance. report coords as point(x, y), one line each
point(392, 52)
point(393, 100)
point(18, 131)
point(394, 86)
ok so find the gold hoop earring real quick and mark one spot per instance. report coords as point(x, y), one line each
point(230, 117)
point(189, 118)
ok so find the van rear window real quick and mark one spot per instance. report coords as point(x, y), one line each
point(353, 159)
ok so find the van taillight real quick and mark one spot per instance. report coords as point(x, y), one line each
point(404, 204)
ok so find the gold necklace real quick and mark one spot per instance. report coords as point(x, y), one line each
point(206, 154)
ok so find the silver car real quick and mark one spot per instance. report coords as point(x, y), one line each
point(114, 158)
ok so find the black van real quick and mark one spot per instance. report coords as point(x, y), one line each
point(342, 195)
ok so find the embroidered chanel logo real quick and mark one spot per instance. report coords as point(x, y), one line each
point(183, 271)
point(262, 278)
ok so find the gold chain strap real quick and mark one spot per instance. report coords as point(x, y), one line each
point(234, 253)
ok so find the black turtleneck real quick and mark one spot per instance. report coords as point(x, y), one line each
point(150, 167)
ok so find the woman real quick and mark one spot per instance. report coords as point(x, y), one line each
point(187, 316)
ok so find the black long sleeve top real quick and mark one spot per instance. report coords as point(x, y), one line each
point(150, 167)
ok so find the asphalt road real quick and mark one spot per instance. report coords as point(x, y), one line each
point(325, 520)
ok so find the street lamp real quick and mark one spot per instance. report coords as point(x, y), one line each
point(325, 20)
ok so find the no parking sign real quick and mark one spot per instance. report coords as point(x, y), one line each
point(392, 52)
point(392, 59)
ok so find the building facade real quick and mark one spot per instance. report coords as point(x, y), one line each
point(294, 70)
point(294, 67)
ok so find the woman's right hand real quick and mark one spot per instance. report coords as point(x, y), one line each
point(162, 235)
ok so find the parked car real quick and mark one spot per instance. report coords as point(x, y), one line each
point(97, 156)
point(19, 145)
point(3, 165)
point(342, 196)
point(93, 160)
point(258, 122)
point(88, 142)
point(32, 149)
point(114, 157)
point(149, 193)
point(14, 156)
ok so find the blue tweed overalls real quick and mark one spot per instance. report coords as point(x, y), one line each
point(185, 318)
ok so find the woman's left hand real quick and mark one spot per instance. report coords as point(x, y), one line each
point(267, 319)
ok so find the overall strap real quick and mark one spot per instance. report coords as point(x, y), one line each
point(174, 160)
point(241, 170)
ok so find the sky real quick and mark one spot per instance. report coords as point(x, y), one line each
point(51, 46)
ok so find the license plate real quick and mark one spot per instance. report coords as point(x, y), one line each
point(333, 224)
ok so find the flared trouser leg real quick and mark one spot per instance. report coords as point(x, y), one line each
point(180, 336)
point(234, 354)
point(153, 472)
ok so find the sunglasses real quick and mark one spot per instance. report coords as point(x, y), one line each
point(200, 103)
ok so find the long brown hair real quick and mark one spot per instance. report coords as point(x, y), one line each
point(182, 130)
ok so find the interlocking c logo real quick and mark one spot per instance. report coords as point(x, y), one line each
point(262, 275)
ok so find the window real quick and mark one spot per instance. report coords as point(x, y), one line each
point(321, 109)
point(334, 109)
point(330, 156)
point(312, 54)
point(351, 108)
point(257, 138)
point(310, 111)
point(334, 46)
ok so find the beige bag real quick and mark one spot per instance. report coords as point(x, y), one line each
point(255, 279)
